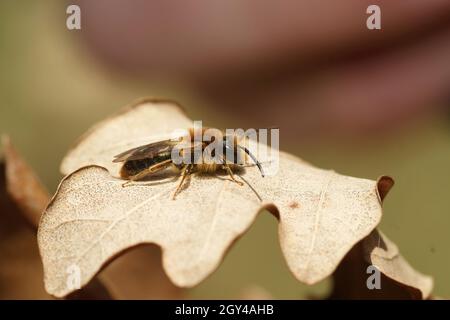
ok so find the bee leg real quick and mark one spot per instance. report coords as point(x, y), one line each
point(184, 172)
point(126, 183)
point(230, 173)
point(148, 171)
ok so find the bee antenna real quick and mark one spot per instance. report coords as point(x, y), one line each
point(258, 164)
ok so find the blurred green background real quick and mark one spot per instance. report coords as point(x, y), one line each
point(52, 90)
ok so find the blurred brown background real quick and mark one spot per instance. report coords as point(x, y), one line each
point(362, 102)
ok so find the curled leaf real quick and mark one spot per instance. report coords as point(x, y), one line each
point(398, 279)
point(21, 269)
point(92, 218)
point(384, 255)
point(23, 185)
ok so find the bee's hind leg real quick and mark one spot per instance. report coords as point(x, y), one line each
point(184, 173)
point(141, 175)
point(230, 173)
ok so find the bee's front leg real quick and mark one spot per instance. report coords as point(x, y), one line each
point(184, 173)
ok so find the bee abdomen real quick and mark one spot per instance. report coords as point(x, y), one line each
point(133, 167)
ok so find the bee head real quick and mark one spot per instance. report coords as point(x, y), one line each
point(236, 153)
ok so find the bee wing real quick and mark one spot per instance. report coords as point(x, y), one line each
point(146, 151)
point(153, 149)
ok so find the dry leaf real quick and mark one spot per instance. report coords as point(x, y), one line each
point(21, 268)
point(92, 218)
point(116, 275)
point(22, 200)
point(398, 279)
point(384, 254)
point(134, 275)
point(23, 185)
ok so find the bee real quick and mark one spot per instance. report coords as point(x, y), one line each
point(146, 160)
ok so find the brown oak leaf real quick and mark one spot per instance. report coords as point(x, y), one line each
point(92, 219)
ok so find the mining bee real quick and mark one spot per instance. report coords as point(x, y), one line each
point(143, 161)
